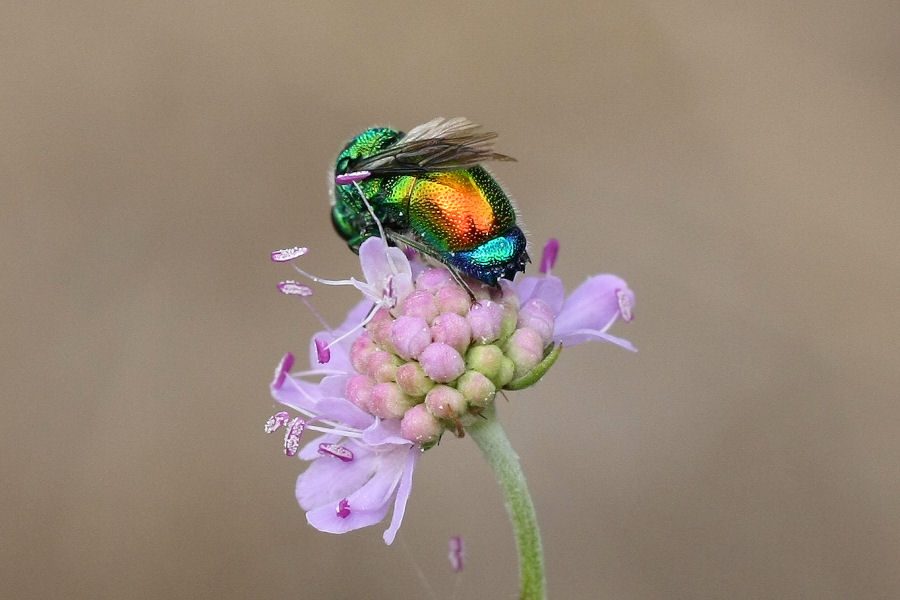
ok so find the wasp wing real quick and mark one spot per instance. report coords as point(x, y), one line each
point(438, 145)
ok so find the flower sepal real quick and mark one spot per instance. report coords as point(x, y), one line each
point(534, 375)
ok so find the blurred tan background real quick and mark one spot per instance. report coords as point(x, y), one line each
point(736, 162)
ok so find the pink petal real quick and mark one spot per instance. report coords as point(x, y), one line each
point(549, 289)
point(374, 257)
point(326, 481)
point(368, 504)
point(325, 518)
point(593, 306)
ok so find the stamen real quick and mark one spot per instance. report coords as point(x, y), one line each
point(292, 436)
point(284, 367)
point(321, 280)
point(279, 419)
point(548, 256)
point(292, 288)
point(456, 554)
point(342, 453)
point(287, 254)
point(343, 509)
point(371, 212)
point(355, 176)
point(344, 336)
point(625, 305)
point(323, 353)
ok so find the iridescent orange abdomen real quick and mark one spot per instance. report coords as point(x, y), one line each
point(458, 210)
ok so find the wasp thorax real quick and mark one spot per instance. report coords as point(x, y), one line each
point(435, 362)
point(427, 189)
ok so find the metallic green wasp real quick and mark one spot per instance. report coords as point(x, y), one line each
point(427, 190)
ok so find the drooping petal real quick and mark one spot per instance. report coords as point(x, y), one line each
point(403, 492)
point(579, 336)
point(591, 309)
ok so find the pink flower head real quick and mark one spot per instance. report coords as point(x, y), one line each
point(415, 358)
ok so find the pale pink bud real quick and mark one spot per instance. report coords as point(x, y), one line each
point(536, 314)
point(360, 351)
point(486, 320)
point(509, 296)
point(419, 304)
point(380, 328)
point(431, 280)
point(452, 329)
point(410, 335)
point(382, 366)
point(445, 402)
point(476, 388)
point(441, 362)
point(389, 401)
point(359, 392)
point(419, 426)
point(526, 349)
point(453, 298)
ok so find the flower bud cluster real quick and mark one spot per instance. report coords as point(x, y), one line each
point(437, 359)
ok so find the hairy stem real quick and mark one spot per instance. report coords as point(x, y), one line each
point(490, 437)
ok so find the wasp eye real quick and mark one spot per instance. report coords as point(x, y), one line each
point(343, 165)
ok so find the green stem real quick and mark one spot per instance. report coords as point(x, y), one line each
point(489, 436)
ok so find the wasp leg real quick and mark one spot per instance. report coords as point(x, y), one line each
point(416, 245)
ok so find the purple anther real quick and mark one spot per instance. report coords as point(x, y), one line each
point(390, 287)
point(624, 305)
point(292, 288)
point(284, 367)
point(343, 509)
point(323, 352)
point(292, 436)
point(456, 554)
point(287, 254)
point(548, 256)
point(342, 453)
point(276, 421)
point(355, 176)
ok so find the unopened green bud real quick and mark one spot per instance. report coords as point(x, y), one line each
point(412, 379)
point(476, 388)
